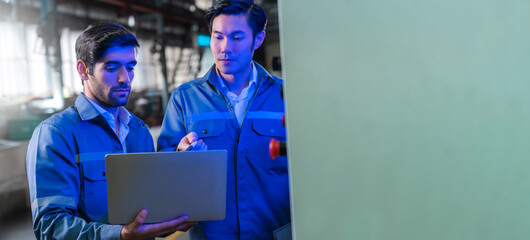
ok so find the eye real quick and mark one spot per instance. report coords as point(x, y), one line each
point(217, 36)
point(130, 68)
point(111, 68)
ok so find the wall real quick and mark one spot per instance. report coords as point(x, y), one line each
point(408, 119)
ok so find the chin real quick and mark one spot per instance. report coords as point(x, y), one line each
point(228, 70)
point(122, 103)
point(119, 103)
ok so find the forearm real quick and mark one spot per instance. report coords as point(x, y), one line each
point(59, 224)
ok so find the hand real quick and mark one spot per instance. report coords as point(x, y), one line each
point(187, 141)
point(138, 230)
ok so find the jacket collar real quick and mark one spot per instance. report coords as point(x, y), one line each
point(85, 109)
point(211, 75)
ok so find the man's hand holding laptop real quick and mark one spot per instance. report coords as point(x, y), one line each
point(138, 230)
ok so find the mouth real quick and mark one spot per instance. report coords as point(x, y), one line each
point(122, 90)
point(226, 60)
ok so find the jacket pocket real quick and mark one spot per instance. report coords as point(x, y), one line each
point(269, 127)
point(208, 128)
point(265, 130)
point(94, 188)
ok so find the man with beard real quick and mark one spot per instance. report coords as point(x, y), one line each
point(66, 154)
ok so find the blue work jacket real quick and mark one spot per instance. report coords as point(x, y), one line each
point(257, 186)
point(66, 172)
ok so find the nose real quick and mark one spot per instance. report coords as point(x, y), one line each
point(225, 46)
point(124, 76)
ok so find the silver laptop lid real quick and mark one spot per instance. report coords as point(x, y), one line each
point(167, 184)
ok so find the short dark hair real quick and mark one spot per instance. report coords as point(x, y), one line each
point(256, 16)
point(97, 38)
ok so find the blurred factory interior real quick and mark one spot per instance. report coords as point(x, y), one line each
point(405, 119)
point(38, 76)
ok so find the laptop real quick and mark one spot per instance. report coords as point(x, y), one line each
point(167, 184)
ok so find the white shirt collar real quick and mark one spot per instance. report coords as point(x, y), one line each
point(253, 79)
point(123, 115)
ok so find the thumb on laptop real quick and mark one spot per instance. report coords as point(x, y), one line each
point(140, 219)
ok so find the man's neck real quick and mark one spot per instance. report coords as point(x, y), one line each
point(114, 112)
point(238, 81)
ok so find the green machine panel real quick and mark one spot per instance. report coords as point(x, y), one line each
point(408, 119)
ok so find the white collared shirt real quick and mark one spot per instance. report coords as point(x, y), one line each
point(239, 103)
point(123, 116)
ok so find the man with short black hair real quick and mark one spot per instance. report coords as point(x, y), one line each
point(66, 154)
point(236, 106)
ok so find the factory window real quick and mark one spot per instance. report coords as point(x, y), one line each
point(24, 74)
point(22, 65)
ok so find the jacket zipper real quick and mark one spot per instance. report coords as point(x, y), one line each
point(237, 144)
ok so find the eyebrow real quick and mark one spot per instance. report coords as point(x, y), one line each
point(231, 33)
point(119, 63)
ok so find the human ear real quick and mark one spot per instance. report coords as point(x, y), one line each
point(258, 40)
point(82, 69)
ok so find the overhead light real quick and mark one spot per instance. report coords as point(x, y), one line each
point(131, 21)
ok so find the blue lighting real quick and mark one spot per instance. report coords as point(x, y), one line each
point(203, 40)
